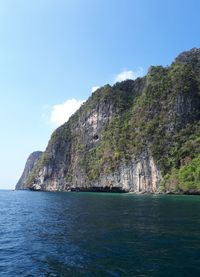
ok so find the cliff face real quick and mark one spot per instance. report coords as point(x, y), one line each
point(31, 162)
point(128, 137)
point(141, 174)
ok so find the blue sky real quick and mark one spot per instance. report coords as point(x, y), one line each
point(54, 50)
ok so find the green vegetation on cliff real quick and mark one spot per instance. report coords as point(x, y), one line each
point(185, 179)
point(164, 119)
point(158, 114)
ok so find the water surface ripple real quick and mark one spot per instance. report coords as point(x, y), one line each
point(98, 234)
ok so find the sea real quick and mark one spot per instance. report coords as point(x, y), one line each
point(98, 234)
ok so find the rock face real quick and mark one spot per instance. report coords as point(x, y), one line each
point(31, 162)
point(140, 175)
point(128, 137)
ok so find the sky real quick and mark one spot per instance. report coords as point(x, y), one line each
point(54, 53)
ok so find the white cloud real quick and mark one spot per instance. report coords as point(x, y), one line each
point(129, 74)
point(94, 89)
point(61, 113)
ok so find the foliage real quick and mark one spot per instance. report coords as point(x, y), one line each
point(158, 113)
point(186, 178)
point(169, 134)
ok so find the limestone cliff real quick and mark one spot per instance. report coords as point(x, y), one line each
point(31, 162)
point(130, 136)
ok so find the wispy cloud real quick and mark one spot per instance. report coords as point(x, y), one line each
point(94, 88)
point(129, 74)
point(61, 113)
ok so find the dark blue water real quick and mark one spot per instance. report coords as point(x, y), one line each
point(96, 234)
